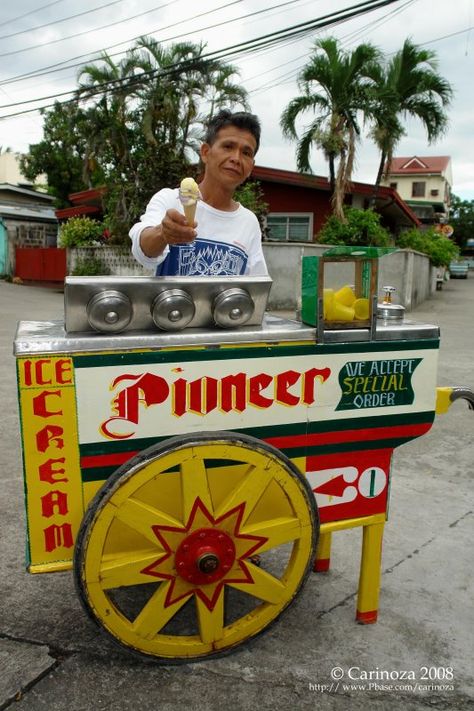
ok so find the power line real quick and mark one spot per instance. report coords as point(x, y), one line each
point(31, 12)
point(118, 22)
point(301, 29)
point(190, 32)
point(64, 19)
point(453, 34)
point(87, 54)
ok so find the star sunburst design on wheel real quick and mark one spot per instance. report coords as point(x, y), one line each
point(204, 555)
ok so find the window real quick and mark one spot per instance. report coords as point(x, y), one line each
point(289, 228)
point(418, 189)
point(393, 186)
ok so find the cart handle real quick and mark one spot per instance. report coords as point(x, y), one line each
point(446, 396)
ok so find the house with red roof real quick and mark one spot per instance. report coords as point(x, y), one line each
point(424, 183)
point(299, 204)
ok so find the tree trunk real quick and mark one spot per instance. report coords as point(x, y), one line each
point(332, 172)
point(339, 189)
point(378, 180)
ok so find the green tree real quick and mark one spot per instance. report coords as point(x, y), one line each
point(439, 248)
point(105, 88)
point(133, 127)
point(60, 153)
point(360, 227)
point(251, 196)
point(170, 93)
point(334, 88)
point(223, 91)
point(409, 85)
point(462, 220)
point(80, 232)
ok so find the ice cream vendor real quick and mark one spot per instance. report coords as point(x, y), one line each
point(224, 238)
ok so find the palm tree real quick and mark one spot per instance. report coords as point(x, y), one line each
point(107, 86)
point(223, 92)
point(171, 93)
point(334, 87)
point(408, 86)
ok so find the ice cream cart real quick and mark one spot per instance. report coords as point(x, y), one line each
point(190, 455)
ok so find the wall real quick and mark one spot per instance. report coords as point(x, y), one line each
point(409, 272)
point(433, 182)
point(117, 262)
point(3, 249)
point(10, 169)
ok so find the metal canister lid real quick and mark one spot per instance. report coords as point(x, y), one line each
point(109, 311)
point(173, 310)
point(232, 307)
point(390, 312)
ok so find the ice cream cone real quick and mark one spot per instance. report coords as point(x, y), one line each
point(189, 195)
point(190, 212)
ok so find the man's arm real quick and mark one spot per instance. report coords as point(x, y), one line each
point(173, 230)
point(153, 249)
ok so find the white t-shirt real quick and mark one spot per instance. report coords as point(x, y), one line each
point(227, 243)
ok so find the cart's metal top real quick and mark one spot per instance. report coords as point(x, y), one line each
point(33, 337)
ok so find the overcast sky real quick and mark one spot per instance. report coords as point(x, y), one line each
point(31, 38)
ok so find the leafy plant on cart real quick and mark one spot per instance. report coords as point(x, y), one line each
point(440, 249)
point(361, 228)
point(81, 232)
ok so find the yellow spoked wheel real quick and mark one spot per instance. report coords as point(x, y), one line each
point(165, 558)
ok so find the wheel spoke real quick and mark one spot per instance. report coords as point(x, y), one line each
point(155, 614)
point(265, 586)
point(123, 570)
point(278, 531)
point(211, 622)
point(250, 490)
point(142, 517)
point(194, 484)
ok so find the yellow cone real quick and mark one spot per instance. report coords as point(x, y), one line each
point(328, 298)
point(340, 312)
point(361, 309)
point(345, 296)
point(190, 213)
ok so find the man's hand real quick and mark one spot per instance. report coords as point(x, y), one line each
point(173, 230)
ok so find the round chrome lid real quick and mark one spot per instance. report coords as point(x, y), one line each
point(109, 311)
point(173, 310)
point(233, 307)
point(390, 312)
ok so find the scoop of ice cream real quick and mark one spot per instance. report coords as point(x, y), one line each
point(189, 191)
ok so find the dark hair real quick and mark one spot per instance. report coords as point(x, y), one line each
point(241, 119)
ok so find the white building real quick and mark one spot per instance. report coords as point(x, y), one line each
point(424, 183)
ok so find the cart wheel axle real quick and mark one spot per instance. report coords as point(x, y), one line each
point(205, 556)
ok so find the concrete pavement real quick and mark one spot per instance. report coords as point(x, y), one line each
point(53, 659)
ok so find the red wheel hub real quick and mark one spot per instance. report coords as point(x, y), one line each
point(206, 555)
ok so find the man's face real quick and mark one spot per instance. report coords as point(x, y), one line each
point(230, 158)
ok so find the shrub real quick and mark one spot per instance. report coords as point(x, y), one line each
point(251, 196)
point(362, 228)
point(90, 266)
point(440, 249)
point(81, 232)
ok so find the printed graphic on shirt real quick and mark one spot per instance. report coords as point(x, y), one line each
point(203, 258)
